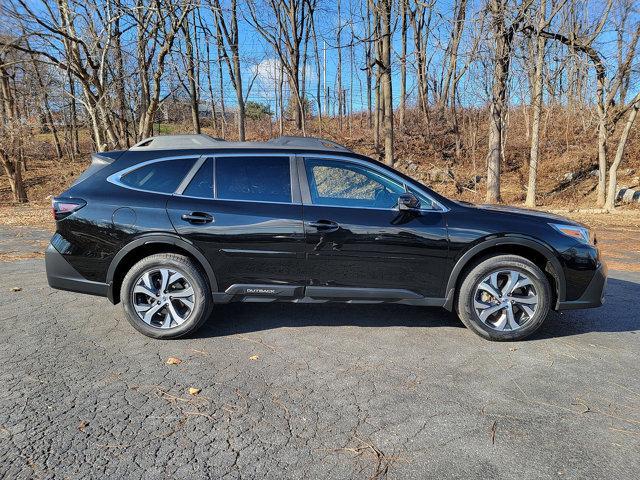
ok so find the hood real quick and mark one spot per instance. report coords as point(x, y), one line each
point(544, 216)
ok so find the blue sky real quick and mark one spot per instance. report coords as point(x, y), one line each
point(258, 55)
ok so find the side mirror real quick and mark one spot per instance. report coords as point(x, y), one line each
point(408, 202)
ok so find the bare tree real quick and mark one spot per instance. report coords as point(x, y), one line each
point(536, 97)
point(192, 74)
point(228, 35)
point(449, 83)
point(609, 114)
point(504, 30)
point(420, 18)
point(10, 126)
point(286, 33)
point(165, 24)
point(622, 143)
point(403, 6)
point(383, 10)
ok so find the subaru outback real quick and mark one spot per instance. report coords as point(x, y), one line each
point(176, 224)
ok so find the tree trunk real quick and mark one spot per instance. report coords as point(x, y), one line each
point(191, 74)
point(338, 87)
point(622, 143)
point(123, 133)
point(13, 170)
point(73, 114)
point(386, 81)
point(403, 61)
point(536, 101)
point(449, 84)
point(498, 100)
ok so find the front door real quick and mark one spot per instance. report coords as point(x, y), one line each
point(359, 244)
point(247, 222)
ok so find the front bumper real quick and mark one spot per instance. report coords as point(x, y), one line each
point(61, 275)
point(593, 295)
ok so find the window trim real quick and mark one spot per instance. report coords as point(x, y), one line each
point(306, 192)
point(116, 178)
point(190, 174)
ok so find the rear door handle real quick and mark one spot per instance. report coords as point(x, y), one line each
point(324, 225)
point(197, 217)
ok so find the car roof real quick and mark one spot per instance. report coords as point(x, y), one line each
point(191, 142)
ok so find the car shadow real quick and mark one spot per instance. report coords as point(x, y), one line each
point(237, 318)
point(620, 313)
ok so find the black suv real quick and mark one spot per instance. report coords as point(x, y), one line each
point(176, 224)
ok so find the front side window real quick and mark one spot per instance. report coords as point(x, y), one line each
point(260, 179)
point(161, 177)
point(343, 184)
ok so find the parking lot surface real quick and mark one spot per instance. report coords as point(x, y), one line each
point(313, 391)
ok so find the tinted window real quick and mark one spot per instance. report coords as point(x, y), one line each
point(201, 185)
point(163, 177)
point(350, 185)
point(264, 179)
point(425, 202)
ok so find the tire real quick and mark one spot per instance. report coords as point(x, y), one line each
point(170, 313)
point(504, 308)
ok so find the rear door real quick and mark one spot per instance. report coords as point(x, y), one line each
point(243, 211)
point(358, 243)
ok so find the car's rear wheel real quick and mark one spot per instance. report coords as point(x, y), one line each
point(165, 296)
point(505, 297)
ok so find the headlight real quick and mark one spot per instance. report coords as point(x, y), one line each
point(579, 233)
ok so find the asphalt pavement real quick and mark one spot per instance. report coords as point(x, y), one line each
point(313, 391)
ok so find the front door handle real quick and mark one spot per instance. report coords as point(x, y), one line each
point(324, 225)
point(197, 217)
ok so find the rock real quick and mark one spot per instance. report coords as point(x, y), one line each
point(437, 174)
point(568, 177)
point(628, 195)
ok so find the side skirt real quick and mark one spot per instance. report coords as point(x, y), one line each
point(251, 293)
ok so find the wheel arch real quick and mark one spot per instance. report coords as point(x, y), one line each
point(528, 248)
point(149, 245)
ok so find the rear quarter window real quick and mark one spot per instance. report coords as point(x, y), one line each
point(162, 177)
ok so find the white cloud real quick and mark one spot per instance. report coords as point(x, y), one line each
point(267, 73)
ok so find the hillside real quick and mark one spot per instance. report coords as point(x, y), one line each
point(567, 175)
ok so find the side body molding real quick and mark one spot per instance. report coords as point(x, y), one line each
point(511, 240)
point(166, 239)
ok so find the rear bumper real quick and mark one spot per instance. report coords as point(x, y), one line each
point(593, 295)
point(62, 276)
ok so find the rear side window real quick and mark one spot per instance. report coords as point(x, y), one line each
point(201, 185)
point(161, 177)
point(261, 179)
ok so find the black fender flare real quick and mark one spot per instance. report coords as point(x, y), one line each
point(515, 240)
point(166, 239)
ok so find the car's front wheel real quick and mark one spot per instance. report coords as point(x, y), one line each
point(505, 297)
point(165, 296)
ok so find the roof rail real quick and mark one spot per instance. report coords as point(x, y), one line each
point(307, 142)
point(176, 141)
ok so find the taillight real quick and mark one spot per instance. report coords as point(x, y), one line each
point(63, 207)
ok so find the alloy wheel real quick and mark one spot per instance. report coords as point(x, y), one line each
point(163, 298)
point(505, 300)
